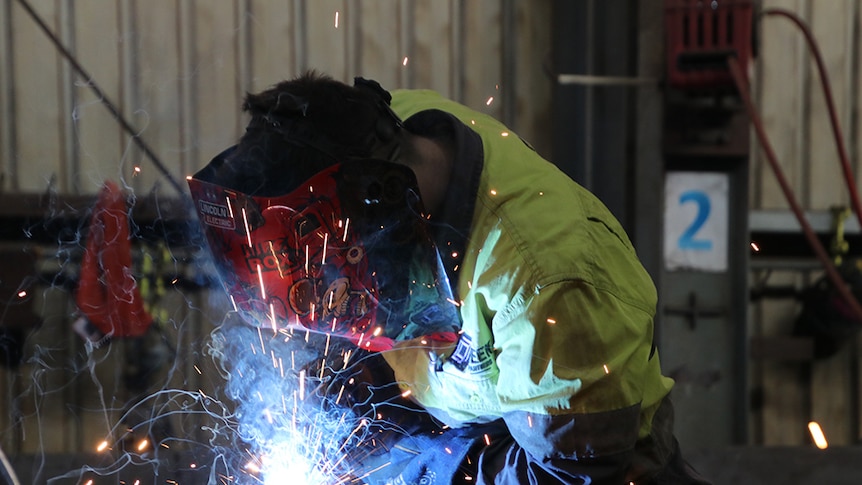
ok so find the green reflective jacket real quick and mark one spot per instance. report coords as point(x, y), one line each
point(556, 306)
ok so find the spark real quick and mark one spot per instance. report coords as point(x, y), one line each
point(505, 133)
point(817, 435)
point(487, 440)
point(197, 369)
point(362, 423)
point(245, 223)
point(340, 393)
point(755, 247)
point(102, 446)
point(22, 294)
point(272, 316)
point(336, 19)
point(346, 224)
point(137, 169)
point(490, 100)
point(330, 304)
point(406, 393)
point(493, 191)
point(551, 321)
point(275, 258)
point(302, 385)
point(143, 445)
point(325, 241)
point(229, 208)
point(529, 421)
point(404, 62)
point(260, 278)
point(605, 367)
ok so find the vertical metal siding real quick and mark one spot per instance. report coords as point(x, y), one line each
point(177, 71)
point(790, 99)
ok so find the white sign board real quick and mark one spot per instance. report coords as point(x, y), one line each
point(695, 221)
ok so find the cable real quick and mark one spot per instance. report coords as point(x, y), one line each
point(830, 103)
point(819, 251)
point(91, 83)
point(7, 473)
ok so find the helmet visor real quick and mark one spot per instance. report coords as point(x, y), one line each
point(347, 253)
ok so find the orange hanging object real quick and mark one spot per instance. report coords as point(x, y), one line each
point(108, 295)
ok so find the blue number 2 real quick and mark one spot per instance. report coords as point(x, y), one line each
point(687, 240)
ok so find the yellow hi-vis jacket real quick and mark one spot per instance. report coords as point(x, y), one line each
point(557, 309)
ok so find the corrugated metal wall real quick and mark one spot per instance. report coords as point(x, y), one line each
point(176, 70)
point(788, 394)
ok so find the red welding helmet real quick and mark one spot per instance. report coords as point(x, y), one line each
point(346, 253)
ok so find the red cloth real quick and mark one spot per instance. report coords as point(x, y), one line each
point(108, 294)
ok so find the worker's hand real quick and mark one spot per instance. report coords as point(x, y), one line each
point(445, 376)
point(431, 351)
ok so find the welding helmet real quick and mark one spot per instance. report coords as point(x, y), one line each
point(346, 253)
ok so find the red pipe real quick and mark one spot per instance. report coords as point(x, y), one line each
point(830, 103)
point(821, 254)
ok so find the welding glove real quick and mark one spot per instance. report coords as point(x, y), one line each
point(458, 377)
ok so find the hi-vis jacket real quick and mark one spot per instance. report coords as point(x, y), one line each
point(557, 309)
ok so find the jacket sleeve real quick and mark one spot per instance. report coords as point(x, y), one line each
point(575, 348)
point(541, 449)
point(575, 367)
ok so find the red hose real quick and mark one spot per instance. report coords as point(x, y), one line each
point(830, 103)
point(820, 252)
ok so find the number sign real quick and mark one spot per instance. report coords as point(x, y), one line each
point(695, 221)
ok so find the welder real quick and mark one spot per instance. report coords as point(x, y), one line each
point(501, 297)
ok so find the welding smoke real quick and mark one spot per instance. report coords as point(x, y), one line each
point(287, 430)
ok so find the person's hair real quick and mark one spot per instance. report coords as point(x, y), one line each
point(301, 126)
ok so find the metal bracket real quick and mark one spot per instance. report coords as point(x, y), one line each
point(693, 311)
